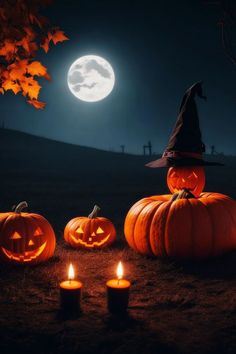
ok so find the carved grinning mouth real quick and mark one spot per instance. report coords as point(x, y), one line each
point(27, 256)
point(90, 245)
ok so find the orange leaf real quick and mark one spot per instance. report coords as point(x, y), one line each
point(47, 77)
point(5, 74)
point(8, 49)
point(34, 19)
point(58, 36)
point(37, 104)
point(49, 36)
point(7, 84)
point(24, 43)
point(45, 45)
point(17, 69)
point(30, 87)
point(16, 88)
point(36, 68)
point(11, 85)
point(1, 91)
point(30, 33)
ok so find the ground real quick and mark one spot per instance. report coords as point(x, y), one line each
point(175, 307)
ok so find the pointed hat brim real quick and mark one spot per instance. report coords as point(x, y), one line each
point(175, 162)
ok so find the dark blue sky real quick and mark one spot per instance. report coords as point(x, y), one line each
point(157, 50)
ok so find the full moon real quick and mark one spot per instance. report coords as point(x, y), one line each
point(91, 78)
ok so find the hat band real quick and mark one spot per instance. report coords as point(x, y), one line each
point(180, 154)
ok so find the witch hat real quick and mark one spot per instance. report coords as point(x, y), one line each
point(185, 146)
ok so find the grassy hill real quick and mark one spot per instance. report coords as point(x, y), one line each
point(61, 180)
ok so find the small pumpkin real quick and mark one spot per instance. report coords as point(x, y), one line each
point(90, 232)
point(25, 237)
point(166, 225)
point(186, 177)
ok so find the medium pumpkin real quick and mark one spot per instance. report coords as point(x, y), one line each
point(186, 177)
point(184, 228)
point(25, 237)
point(90, 232)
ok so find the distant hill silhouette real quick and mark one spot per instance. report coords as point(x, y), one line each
point(61, 180)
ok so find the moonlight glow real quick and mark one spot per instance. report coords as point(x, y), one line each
point(91, 78)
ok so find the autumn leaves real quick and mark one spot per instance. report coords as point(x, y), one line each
point(23, 31)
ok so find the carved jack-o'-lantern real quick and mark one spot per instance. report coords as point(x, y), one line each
point(90, 232)
point(25, 237)
point(191, 178)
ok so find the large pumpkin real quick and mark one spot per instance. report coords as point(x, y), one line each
point(90, 232)
point(186, 177)
point(184, 228)
point(25, 237)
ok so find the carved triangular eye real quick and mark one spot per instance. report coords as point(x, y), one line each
point(100, 230)
point(192, 174)
point(79, 230)
point(15, 236)
point(38, 232)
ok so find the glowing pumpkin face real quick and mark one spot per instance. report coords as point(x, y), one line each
point(90, 232)
point(25, 237)
point(191, 178)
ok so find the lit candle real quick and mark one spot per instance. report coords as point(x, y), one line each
point(118, 292)
point(70, 292)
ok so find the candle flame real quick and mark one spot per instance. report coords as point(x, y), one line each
point(71, 272)
point(119, 271)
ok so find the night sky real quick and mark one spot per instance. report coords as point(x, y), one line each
point(157, 50)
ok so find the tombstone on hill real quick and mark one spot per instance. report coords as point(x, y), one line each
point(148, 148)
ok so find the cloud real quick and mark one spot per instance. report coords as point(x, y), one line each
point(78, 67)
point(77, 87)
point(75, 78)
point(94, 65)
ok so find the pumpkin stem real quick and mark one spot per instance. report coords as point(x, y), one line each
point(183, 194)
point(20, 207)
point(94, 212)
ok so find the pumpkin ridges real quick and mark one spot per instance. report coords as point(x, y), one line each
point(44, 224)
point(157, 229)
point(221, 226)
point(224, 231)
point(130, 221)
point(14, 221)
point(70, 225)
point(223, 244)
point(86, 227)
point(142, 227)
point(202, 234)
point(47, 229)
point(206, 200)
point(203, 200)
point(232, 212)
point(178, 225)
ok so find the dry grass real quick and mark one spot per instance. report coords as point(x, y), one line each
point(173, 307)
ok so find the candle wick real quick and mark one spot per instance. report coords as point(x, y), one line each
point(118, 281)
